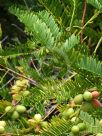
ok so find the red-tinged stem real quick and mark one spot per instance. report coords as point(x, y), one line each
point(83, 21)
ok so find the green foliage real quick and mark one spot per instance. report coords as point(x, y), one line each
point(36, 26)
point(56, 63)
point(92, 124)
point(53, 6)
point(96, 3)
point(91, 65)
point(57, 127)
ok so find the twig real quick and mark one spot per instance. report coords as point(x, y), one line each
point(69, 78)
point(26, 4)
point(19, 29)
point(83, 20)
point(90, 21)
point(4, 39)
point(97, 46)
point(7, 83)
point(3, 76)
point(20, 75)
point(73, 13)
point(49, 113)
point(34, 66)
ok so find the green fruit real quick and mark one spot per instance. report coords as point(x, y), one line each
point(32, 122)
point(9, 109)
point(24, 82)
point(73, 119)
point(64, 114)
point(18, 83)
point(37, 117)
point(15, 115)
point(20, 108)
point(70, 111)
point(15, 89)
point(44, 124)
point(87, 96)
point(26, 93)
point(82, 126)
point(78, 99)
point(2, 129)
point(67, 113)
point(99, 134)
point(75, 129)
point(2, 123)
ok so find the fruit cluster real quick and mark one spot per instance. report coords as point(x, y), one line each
point(38, 123)
point(19, 90)
point(77, 128)
point(76, 105)
point(2, 126)
point(70, 113)
point(88, 97)
point(15, 111)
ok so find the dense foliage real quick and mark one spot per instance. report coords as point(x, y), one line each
point(50, 67)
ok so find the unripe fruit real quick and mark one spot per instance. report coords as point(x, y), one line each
point(26, 93)
point(18, 83)
point(67, 113)
point(99, 134)
point(15, 89)
point(2, 123)
point(87, 96)
point(8, 109)
point(2, 129)
point(37, 117)
point(82, 126)
point(96, 103)
point(70, 111)
point(78, 99)
point(64, 114)
point(32, 122)
point(73, 119)
point(44, 124)
point(75, 129)
point(95, 94)
point(20, 108)
point(25, 82)
point(15, 115)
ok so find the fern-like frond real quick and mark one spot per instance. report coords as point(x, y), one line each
point(92, 124)
point(62, 90)
point(57, 127)
point(50, 22)
point(96, 3)
point(70, 43)
point(41, 32)
point(90, 64)
point(60, 9)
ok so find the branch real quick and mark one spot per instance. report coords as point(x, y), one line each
point(20, 75)
point(83, 21)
